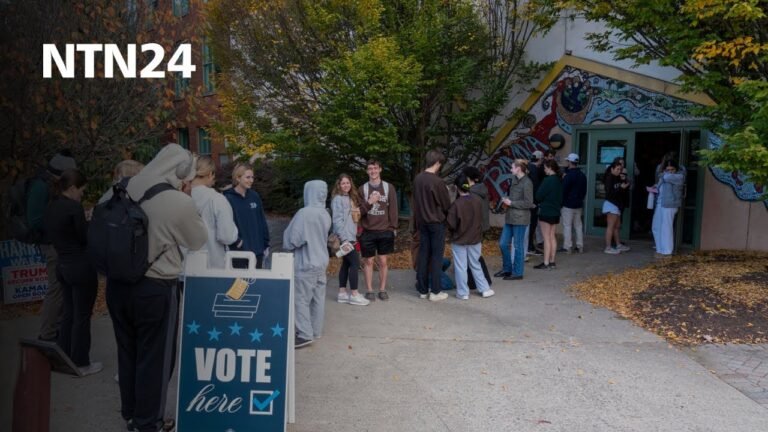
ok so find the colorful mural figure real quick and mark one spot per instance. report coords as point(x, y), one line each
point(578, 97)
point(745, 190)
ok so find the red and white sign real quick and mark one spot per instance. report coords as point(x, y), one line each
point(24, 283)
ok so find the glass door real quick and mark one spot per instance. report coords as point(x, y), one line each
point(605, 146)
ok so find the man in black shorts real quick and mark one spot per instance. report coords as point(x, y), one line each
point(379, 222)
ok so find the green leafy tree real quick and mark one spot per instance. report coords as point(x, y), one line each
point(721, 48)
point(324, 85)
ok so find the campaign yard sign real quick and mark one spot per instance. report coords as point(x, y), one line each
point(236, 329)
point(24, 272)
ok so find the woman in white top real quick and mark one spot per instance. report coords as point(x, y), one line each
point(215, 211)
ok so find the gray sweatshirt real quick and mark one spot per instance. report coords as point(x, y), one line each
point(217, 216)
point(343, 225)
point(173, 217)
point(307, 234)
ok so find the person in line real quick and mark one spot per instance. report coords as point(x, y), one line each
point(124, 170)
point(345, 208)
point(536, 174)
point(464, 222)
point(144, 313)
point(478, 189)
point(307, 237)
point(430, 207)
point(669, 190)
point(249, 216)
point(574, 191)
point(67, 229)
point(519, 202)
point(37, 198)
point(549, 199)
point(378, 209)
point(615, 190)
point(216, 213)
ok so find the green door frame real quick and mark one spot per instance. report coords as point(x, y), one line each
point(625, 131)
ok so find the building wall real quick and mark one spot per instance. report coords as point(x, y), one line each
point(729, 222)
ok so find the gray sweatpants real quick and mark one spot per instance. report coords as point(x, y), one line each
point(309, 304)
point(53, 303)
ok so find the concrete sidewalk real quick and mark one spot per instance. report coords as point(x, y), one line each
point(531, 358)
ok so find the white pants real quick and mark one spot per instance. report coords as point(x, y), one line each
point(572, 221)
point(663, 229)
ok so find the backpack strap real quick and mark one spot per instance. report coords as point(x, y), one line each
point(154, 190)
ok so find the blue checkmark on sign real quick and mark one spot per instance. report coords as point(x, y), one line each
point(261, 406)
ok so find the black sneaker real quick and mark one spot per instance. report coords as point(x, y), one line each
point(301, 342)
point(510, 277)
point(541, 266)
point(163, 425)
point(535, 252)
point(501, 273)
point(552, 266)
point(370, 296)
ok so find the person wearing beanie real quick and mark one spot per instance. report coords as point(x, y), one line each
point(38, 194)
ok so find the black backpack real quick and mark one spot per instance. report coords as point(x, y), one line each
point(15, 212)
point(118, 238)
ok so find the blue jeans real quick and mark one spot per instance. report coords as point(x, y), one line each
point(507, 234)
point(431, 249)
point(468, 256)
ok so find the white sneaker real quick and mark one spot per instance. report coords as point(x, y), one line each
point(462, 297)
point(423, 296)
point(94, 367)
point(611, 251)
point(439, 296)
point(623, 248)
point(343, 298)
point(488, 293)
point(358, 300)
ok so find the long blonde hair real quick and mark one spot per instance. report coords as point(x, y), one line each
point(354, 197)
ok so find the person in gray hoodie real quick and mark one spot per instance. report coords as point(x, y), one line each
point(216, 213)
point(670, 189)
point(144, 313)
point(345, 208)
point(307, 237)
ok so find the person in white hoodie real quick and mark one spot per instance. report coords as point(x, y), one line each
point(307, 237)
point(216, 213)
point(144, 313)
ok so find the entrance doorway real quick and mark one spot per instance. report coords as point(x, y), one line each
point(642, 148)
point(650, 148)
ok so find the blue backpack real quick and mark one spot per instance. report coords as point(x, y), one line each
point(118, 236)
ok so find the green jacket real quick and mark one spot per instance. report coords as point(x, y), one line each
point(549, 197)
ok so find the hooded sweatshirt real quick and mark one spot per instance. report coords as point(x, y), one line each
point(172, 215)
point(307, 234)
point(217, 215)
point(343, 225)
point(251, 222)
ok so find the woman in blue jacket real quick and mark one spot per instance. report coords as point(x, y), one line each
point(249, 215)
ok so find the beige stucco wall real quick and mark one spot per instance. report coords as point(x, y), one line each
point(730, 223)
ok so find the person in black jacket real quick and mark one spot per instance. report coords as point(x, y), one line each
point(67, 230)
point(615, 191)
point(574, 191)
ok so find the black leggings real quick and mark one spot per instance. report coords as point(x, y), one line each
point(79, 284)
point(350, 265)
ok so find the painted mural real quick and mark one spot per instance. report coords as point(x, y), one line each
point(578, 97)
point(745, 190)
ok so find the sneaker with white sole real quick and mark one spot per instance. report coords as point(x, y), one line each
point(437, 297)
point(358, 300)
point(423, 296)
point(611, 251)
point(462, 297)
point(94, 367)
point(488, 293)
point(342, 297)
point(623, 248)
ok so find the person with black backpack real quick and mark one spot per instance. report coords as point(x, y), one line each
point(65, 226)
point(144, 311)
point(25, 207)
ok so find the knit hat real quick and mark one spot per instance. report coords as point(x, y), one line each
point(61, 162)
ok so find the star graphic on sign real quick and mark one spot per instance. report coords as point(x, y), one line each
point(256, 335)
point(277, 330)
point(193, 327)
point(214, 334)
point(235, 329)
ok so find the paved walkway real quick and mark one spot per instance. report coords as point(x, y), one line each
point(745, 367)
point(531, 358)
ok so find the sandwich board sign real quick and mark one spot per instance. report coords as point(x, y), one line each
point(236, 346)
